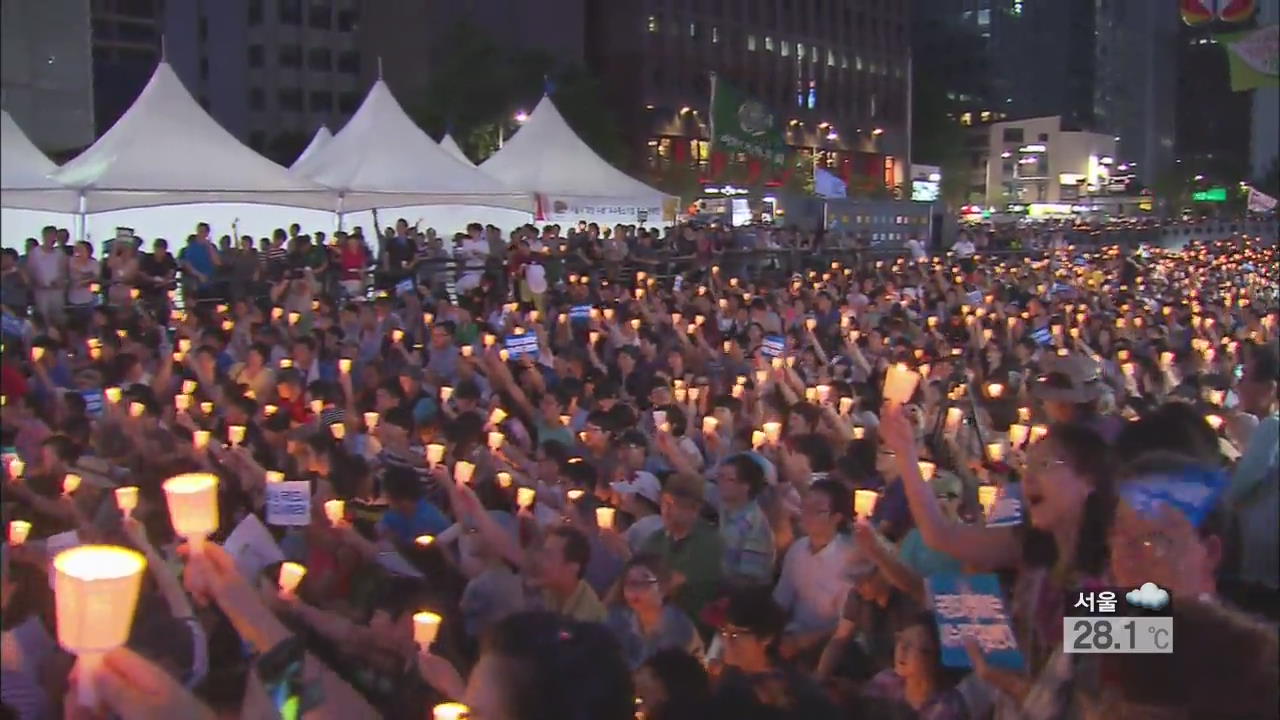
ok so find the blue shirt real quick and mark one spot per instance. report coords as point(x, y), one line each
point(924, 560)
point(200, 258)
point(426, 520)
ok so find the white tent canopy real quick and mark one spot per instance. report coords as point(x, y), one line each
point(25, 181)
point(449, 145)
point(382, 159)
point(319, 140)
point(166, 150)
point(546, 157)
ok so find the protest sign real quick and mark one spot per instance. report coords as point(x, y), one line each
point(251, 546)
point(972, 606)
point(289, 503)
point(774, 346)
point(520, 345)
point(1007, 510)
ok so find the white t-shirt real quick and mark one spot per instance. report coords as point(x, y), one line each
point(963, 248)
point(917, 249)
point(46, 266)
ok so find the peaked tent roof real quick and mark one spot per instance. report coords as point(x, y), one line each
point(546, 156)
point(166, 150)
point(24, 173)
point(449, 145)
point(319, 140)
point(382, 159)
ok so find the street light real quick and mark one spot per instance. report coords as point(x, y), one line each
point(878, 131)
point(521, 116)
point(833, 135)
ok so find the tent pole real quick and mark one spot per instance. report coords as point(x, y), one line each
point(340, 197)
point(80, 215)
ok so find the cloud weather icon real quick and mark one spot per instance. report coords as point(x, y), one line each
point(1150, 596)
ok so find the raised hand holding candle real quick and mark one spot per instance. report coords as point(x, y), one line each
point(16, 468)
point(182, 402)
point(1038, 433)
point(344, 366)
point(986, 498)
point(274, 476)
point(71, 483)
point(435, 454)
point(604, 518)
point(18, 532)
point(864, 503)
point(462, 472)
point(1018, 434)
point(954, 416)
point(200, 439)
point(206, 408)
point(136, 409)
point(995, 451)
point(709, 425)
point(757, 439)
point(426, 625)
point(95, 590)
point(335, 511)
point(446, 392)
point(496, 439)
point(291, 574)
point(450, 711)
point(338, 430)
point(927, 470)
point(859, 432)
point(504, 480)
point(497, 416)
point(193, 506)
point(371, 421)
point(127, 499)
point(772, 432)
point(900, 383)
point(525, 497)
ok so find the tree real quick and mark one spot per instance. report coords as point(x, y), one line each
point(475, 88)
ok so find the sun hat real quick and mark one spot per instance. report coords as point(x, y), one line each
point(1070, 379)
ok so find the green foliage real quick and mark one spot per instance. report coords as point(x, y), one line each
point(475, 88)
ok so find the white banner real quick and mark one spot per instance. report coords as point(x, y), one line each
point(1260, 202)
point(569, 209)
point(289, 503)
point(252, 547)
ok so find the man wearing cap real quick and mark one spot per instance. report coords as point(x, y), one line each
point(640, 497)
point(1070, 388)
point(690, 547)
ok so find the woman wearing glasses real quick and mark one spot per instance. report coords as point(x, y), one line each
point(641, 618)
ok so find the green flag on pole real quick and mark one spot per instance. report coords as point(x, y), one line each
point(742, 125)
point(1254, 57)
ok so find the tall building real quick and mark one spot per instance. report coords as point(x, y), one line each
point(1136, 82)
point(1046, 160)
point(46, 64)
point(834, 73)
point(1214, 122)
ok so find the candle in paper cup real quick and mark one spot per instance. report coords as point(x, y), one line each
point(294, 317)
point(286, 363)
point(206, 407)
point(37, 353)
point(575, 494)
point(371, 421)
point(1215, 421)
point(200, 438)
point(864, 502)
point(189, 386)
point(95, 590)
point(136, 409)
point(71, 483)
point(694, 392)
point(450, 711)
point(270, 409)
point(994, 390)
point(16, 468)
point(435, 454)
point(338, 430)
point(95, 353)
point(425, 627)
point(274, 476)
point(424, 540)
point(1024, 414)
point(1018, 434)
point(235, 434)
point(995, 451)
point(859, 432)
point(344, 366)
point(676, 318)
point(291, 574)
point(680, 394)
point(496, 439)
point(659, 417)
point(811, 394)
point(709, 425)
point(986, 498)
point(277, 312)
point(772, 432)
point(182, 402)
point(504, 480)
point(604, 518)
point(317, 406)
point(497, 416)
point(335, 510)
point(397, 335)
point(1038, 432)
point(900, 384)
point(18, 532)
point(228, 325)
point(446, 392)
point(1217, 397)
point(954, 416)
point(757, 439)
point(462, 472)
point(846, 405)
point(193, 506)
point(525, 497)
point(927, 469)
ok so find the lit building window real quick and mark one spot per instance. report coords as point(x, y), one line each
point(786, 48)
point(653, 23)
point(693, 30)
point(768, 43)
point(715, 34)
point(831, 58)
point(751, 43)
point(813, 94)
point(966, 119)
point(844, 61)
point(857, 64)
point(813, 53)
point(800, 50)
point(986, 116)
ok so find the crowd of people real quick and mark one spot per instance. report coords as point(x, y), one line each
point(630, 488)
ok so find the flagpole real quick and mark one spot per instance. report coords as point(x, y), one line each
point(711, 114)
